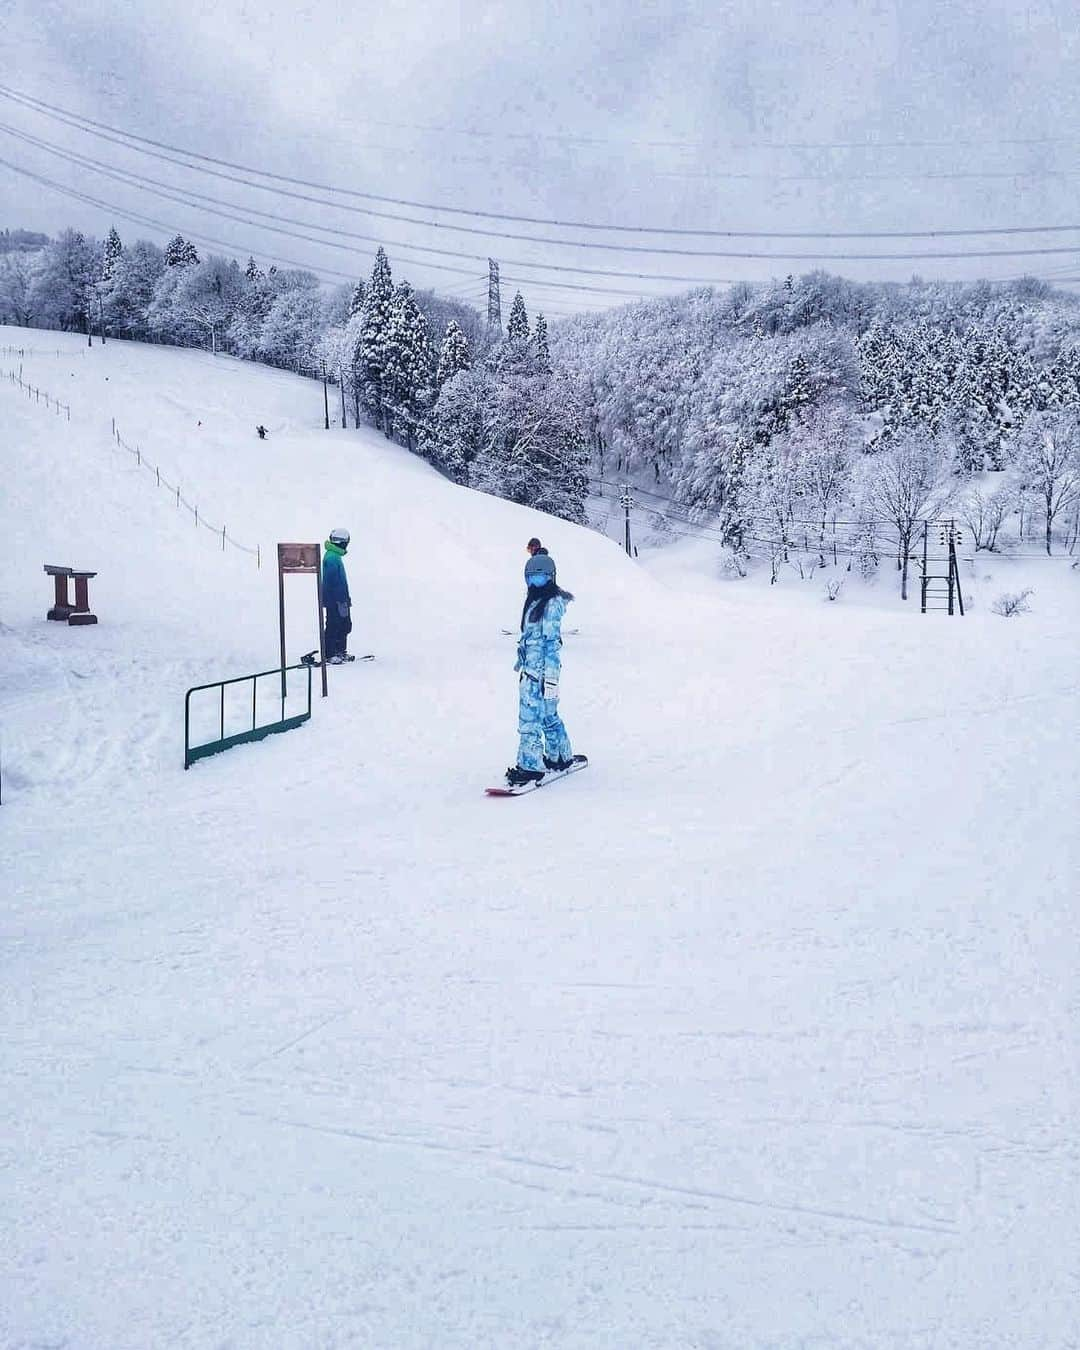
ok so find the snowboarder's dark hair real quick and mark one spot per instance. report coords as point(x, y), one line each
point(536, 602)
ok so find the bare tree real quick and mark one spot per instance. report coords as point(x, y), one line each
point(826, 438)
point(1049, 457)
point(984, 513)
point(907, 484)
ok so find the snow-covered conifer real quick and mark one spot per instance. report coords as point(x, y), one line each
point(517, 328)
point(543, 352)
point(180, 252)
point(453, 355)
point(371, 350)
point(407, 363)
point(111, 254)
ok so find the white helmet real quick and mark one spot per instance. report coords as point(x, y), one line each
point(340, 537)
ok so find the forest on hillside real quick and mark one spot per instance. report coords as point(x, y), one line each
point(770, 411)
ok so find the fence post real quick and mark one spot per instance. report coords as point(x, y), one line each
point(223, 538)
point(196, 517)
point(178, 498)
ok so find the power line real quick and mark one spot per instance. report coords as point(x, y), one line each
point(217, 243)
point(82, 123)
point(570, 138)
point(186, 197)
point(139, 219)
point(711, 143)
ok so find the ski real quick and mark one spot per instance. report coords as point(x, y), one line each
point(312, 659)
point(580, 762)
point(513, 632)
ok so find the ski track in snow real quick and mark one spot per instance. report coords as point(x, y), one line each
point(763, 1032)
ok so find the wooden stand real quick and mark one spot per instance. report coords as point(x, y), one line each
point(77, 614)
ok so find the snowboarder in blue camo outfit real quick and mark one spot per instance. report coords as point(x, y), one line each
point(335, 598)
point(543, 742)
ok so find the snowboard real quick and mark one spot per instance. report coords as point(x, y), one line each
point(312, 658)
point(580, 762)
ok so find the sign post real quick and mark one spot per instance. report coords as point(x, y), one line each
point(303, 559)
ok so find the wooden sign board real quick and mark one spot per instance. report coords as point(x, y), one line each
point(298, 558)
point(303, 559)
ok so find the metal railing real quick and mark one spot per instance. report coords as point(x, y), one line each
point(256, 732)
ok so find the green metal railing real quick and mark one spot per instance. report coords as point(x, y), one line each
point(223, 742)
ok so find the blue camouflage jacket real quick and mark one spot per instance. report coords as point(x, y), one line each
point(538, 647)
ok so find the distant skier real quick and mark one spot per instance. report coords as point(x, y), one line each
point(543, 743)
point(262, 432)
point(335, 596)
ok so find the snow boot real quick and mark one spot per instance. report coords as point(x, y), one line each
point(518, 777)
point(557, 765)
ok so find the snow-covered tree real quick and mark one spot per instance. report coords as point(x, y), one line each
point(985, 510)
point(129, 292)
point(1048, 460)
point(371, 355)
point(111, 254)
point(180, 252)
point(453, 355)
point(17, 271)
point(334, 352)
point(65, 280)
point(824, 444)
point(906, 483)
point(407, 365)
point(290, 332)
point(206, 296)
point(536, 451)
point(356, 299)
point(543, 351)
point(517, 328)
point(461, 424)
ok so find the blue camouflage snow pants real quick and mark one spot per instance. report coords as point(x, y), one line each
point(540, 728)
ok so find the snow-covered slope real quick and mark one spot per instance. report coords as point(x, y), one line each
point(763, 1031)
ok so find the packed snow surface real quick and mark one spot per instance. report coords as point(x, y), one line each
point(760, 1032)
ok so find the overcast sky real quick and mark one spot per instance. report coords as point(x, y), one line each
point(753, 115)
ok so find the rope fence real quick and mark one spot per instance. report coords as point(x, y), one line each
point(174, 490)
point(38, 351)
point(41, 396)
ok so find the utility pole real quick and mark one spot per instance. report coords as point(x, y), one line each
point(626, 501)
point(948, 536)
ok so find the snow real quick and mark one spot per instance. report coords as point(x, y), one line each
point(761, 1032)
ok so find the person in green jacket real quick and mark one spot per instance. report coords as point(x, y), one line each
point(336, 599)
